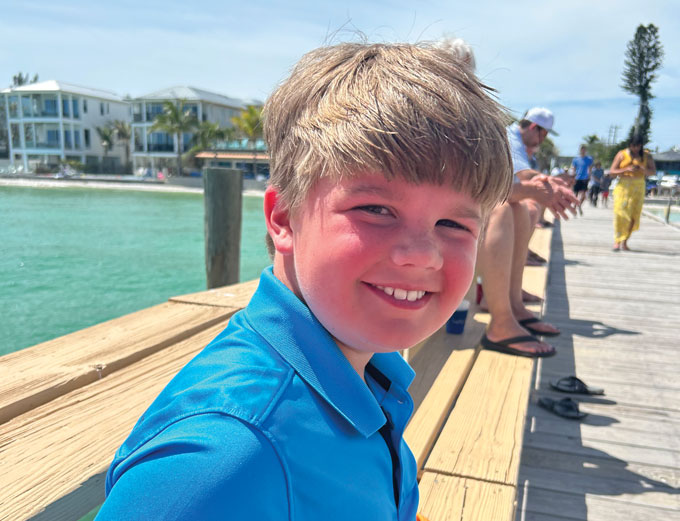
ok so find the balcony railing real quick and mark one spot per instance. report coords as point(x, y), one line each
point(161, 148)
point(46, 144)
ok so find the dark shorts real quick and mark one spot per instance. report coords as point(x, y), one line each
point(580, 185)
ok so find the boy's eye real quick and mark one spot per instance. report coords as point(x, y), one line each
point(375, 209)
point(452, 224)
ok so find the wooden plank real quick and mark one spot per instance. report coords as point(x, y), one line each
point(430, 358)
point(543, 504)
point(648, 477)
point(426, 423)
point(36, 375)
point(444, 498)
point(55, 454)
point(654, 456)
point(234, 295)
point(482, 437)
point(643, 492)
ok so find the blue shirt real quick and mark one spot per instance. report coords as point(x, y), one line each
point(581, 165)
point(271, 422)
point(518, 152)
point(596, 176)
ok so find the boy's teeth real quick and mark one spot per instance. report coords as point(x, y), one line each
point(402, 294)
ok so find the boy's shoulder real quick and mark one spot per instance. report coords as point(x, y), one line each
point(236, 375)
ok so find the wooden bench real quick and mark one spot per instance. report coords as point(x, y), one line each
point(66, 405)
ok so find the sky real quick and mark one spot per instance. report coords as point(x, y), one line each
point(567, 55)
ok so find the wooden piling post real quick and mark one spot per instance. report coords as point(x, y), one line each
point(222, 188)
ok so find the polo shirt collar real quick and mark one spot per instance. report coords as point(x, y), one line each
point(289, 326)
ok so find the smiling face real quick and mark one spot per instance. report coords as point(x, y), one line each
point(382, 264)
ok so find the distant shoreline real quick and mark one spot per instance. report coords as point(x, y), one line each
point(110, 185)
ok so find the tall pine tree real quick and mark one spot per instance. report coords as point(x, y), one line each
point(644, 55)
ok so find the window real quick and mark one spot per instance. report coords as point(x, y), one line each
point(84, 106)
point(101, 108)
point(65, 108)
point(161, 142)
point(26, 106)
point(86, 136)
point(50, 107)
point(29, 135)
point(16, 138)
point(137, 112)
point(52, 138)
point(107, 108)
point(76, 139)
point(76, 111)
point(67, 139)
point(153, 110)
point(13, 106)
point(139, 140)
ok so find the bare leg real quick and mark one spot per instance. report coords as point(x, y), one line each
point(523, 229)
point(496, 255)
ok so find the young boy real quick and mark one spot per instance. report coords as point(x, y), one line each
point(385, 161)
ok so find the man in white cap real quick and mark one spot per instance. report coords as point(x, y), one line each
point(513, 328)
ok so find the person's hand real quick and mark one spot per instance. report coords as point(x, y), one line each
point(563, 199)
point(555, 195)
point(568, 179)
point(542, 190)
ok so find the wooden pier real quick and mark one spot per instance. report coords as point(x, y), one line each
point(619, 313)
point(67, 404)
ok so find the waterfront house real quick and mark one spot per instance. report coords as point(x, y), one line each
point(251, 158)
point(52, 121)
point(158, 150)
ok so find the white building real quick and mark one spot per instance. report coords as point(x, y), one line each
point(158, 150)
point(51, 121)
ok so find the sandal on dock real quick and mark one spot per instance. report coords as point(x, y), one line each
point(566, 408)
point(574, 385)
point(503, 346)
point(533, 320)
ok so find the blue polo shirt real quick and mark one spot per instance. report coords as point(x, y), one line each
point(271, 422)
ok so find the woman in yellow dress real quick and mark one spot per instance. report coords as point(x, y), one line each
point(632, 166)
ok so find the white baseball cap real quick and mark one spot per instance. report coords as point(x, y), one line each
point(542, 117)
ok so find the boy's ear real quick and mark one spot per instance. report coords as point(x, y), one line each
point(277, 219)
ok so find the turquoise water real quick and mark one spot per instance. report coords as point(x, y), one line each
point(661, 212)
point(73, 257)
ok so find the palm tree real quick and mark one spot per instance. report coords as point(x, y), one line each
point(123, 133)
point(175, 120)
point(106, 138)
point(207, 133)
point(249, 125)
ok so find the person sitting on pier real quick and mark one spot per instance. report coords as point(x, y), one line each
point(503, 252)
point(386, 160)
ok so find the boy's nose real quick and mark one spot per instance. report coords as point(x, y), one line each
point(417, 250)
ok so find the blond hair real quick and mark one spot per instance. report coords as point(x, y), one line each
point(407, 111)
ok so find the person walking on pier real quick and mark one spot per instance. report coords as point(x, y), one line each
point(631, 165)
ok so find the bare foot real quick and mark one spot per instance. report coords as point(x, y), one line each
point(537, 328)
point(533, 347)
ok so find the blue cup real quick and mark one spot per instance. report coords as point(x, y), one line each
point(456, 324)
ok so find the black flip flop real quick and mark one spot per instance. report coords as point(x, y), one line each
point(532, 320)
point(571, 384)
point(503, 346)
point(566, 408)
